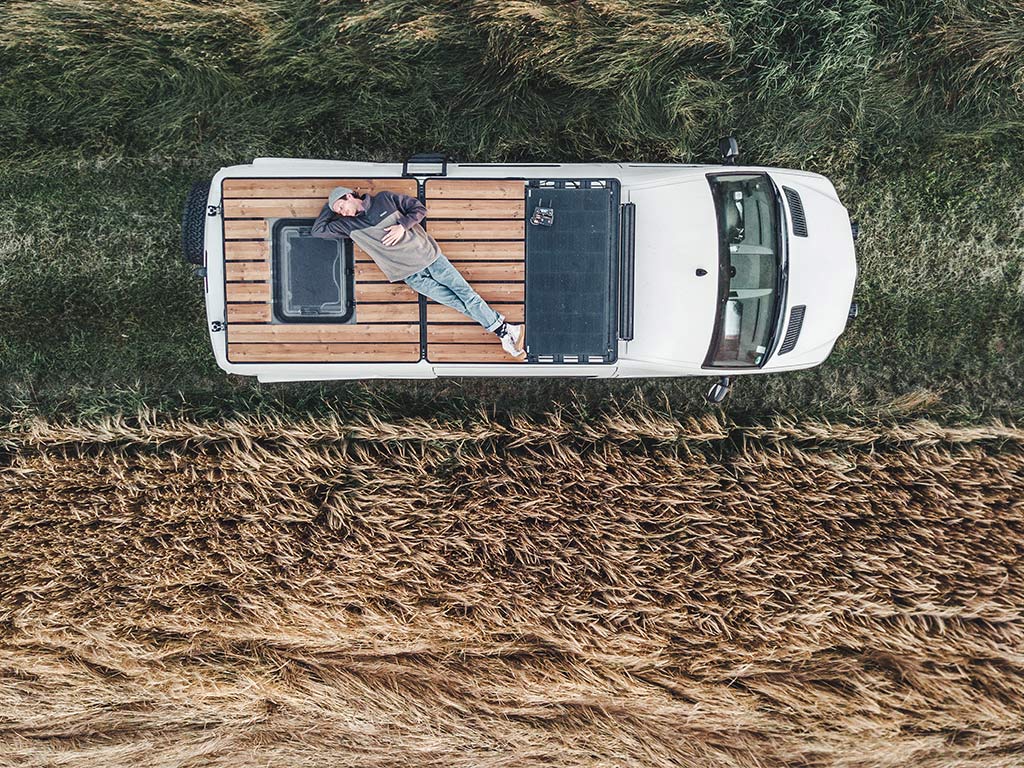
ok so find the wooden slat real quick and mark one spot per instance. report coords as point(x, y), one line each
point(318, 187)
point(268, 207)
point(246, 250)
point(473, 271)
point(470, 353)
point(248, 313)
point(247, 270)
point(239, 229)
point(476, 230)
point(474, 188)
point(400, 312)
point(482, 250)
point(248, 292)
point(475, 209)
point(369, 272)
point(313, 353)
point(502, 272)
point(438, 313)
point(382, 292)
point(325, 332)
point(467, 334)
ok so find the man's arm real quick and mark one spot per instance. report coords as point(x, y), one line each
point(327, 224)
point(412, 210)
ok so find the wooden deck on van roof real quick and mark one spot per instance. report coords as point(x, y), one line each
point(479, 224)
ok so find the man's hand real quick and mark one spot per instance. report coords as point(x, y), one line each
point(393, 234)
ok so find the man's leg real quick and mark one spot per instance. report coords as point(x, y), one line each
point(442, 282)
point(423, 283)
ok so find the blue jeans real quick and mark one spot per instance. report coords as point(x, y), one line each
point(442, 282)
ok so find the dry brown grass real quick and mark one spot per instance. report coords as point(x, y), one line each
point(622, 589)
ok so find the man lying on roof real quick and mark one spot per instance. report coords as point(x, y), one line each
point(387, 226)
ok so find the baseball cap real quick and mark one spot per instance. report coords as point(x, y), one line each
point(336, 194)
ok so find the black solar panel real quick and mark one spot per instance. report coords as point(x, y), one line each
point(571, 274)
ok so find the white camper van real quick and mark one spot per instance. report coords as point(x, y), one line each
point(627, 270)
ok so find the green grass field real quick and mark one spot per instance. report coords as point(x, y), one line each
point(111, 108)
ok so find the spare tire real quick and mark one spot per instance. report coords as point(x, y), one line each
point(193, 222)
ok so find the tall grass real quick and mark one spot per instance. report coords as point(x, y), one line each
point(111, 107)
point(629, 588)
point(805, 81)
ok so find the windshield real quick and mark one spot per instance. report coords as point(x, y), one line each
point(749, 269)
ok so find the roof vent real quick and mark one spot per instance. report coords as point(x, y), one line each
point(796, 211)
point(796, 321)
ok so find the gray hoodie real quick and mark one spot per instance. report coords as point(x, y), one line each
point(409, 255)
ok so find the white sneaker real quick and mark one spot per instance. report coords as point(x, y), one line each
point(513, 338)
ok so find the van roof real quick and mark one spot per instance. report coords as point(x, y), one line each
point(559, 279)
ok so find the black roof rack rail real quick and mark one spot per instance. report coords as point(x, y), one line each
point(627, 267)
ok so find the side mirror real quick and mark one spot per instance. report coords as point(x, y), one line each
point(729, 149)
point(719, 391)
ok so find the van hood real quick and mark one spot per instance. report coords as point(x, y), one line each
point(677, 235)
point(822, 270)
